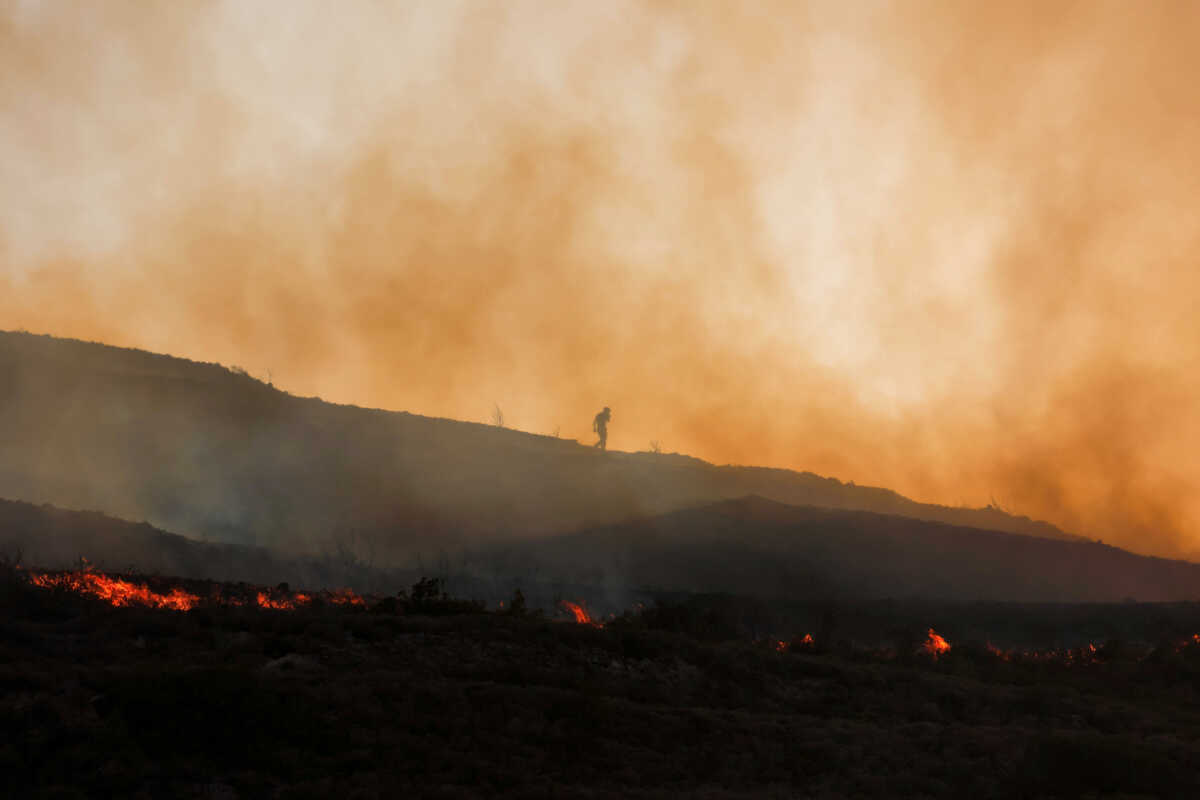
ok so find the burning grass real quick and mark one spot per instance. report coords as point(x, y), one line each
point(123, 591)
point(935, 645)
point(304, 696)
point(580, 614)
point(115, 591)
point(427, 596)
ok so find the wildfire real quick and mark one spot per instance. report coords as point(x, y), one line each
point(116, 591)
point(345, 597)
point(1083, 655)
point(1188, 644)
point(283, 602)
point(582, 617)
point(802, 643)
point(935, 645)
point(120, 592)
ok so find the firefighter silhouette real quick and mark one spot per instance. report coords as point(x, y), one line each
point(600, 426)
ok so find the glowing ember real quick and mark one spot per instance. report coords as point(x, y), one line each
point(116, 591)
point(1187, 644)
point(581, 615)
point(344, 597)
point(935, 645)
point(804, 643)
point(283, 602)
point(121, 592)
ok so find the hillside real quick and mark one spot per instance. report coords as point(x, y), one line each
point(754, 546)
point(212, 453)
point(54, 538)
point(794, 559)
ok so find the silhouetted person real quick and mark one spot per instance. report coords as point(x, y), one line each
point(600, 426)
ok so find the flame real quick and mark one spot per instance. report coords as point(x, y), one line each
point(582, 617)
point(1189, 643)
point(116, 591)
point(283, 602)
point(804, 642)
point(1082, 655)
point(344, 597)
point(121, 592)
point(935, 645)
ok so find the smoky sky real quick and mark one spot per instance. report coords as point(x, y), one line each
point(947, 248)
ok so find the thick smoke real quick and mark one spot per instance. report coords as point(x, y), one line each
point(938, 247)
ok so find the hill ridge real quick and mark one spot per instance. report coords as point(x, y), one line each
point(212, 452)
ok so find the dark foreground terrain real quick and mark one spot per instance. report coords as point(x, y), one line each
point(427, 697)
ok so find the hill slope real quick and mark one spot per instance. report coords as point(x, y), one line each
point(45, 537)
point(748, 547)
point(754, 546)
point(213, 453)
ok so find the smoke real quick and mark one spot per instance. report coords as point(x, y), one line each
point(937, 247)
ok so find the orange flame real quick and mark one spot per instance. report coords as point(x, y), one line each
point(121, 592)
point(804, 642)
point(582, 617)
point(1186, 644)
point(116, 591)
point(284, 602)
point(935, 645)
point(344, 597)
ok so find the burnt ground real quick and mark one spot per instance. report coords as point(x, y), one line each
point(448, 701)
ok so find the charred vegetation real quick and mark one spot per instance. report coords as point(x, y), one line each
point(436, 697)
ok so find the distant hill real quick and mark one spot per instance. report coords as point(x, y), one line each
point(213, 453)
point(792, 557)
point(754, 546)
point(45, 537)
